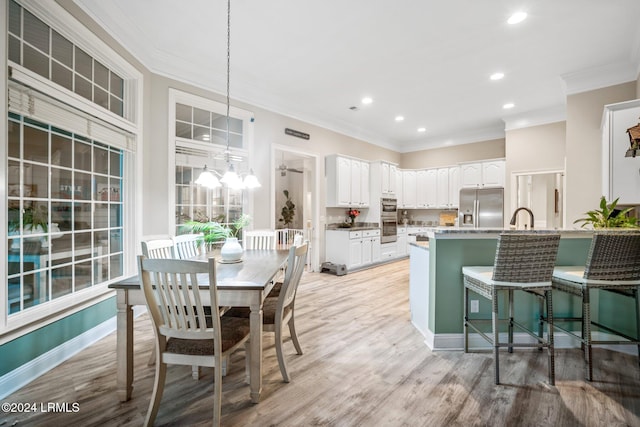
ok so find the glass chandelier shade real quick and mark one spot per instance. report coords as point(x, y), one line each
point(208, 179)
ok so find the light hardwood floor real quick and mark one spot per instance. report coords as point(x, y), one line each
point(363, 365)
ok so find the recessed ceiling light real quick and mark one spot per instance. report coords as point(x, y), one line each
point(399, 118)
point(517, 18)
point(508, 105)
point(366, 100)
point(422, 129)
point(496, 76)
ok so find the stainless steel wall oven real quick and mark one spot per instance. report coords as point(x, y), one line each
point(389, 220)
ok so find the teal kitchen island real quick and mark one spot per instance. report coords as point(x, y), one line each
point(436, 287)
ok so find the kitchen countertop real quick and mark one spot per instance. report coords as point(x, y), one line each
point(359, 226)
point(481, 233)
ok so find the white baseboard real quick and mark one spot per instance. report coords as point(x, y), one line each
point(19, 377)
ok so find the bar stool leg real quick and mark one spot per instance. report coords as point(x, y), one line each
point(586, 320)
point(550, 346)
point(466, 319)
point(510, 292)
point(496, 334)
point(541, 303)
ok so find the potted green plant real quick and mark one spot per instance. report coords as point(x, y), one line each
point(215, 232)
point(608, 216)
point(288, 210)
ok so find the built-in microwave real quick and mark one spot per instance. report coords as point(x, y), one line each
point(388, 207)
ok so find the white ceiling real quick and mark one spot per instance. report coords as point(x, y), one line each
point(427, 60)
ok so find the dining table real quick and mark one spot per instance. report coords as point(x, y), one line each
point(240, 284)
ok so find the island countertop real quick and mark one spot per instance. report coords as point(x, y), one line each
point(484, 233)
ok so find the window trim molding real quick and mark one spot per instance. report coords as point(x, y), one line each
point(63, 22)
point(178, 96)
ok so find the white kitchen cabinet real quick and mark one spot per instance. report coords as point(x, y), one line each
point(426, 188)
point(347, 182)
point(483, 174)
point(399, 192)
point(388, 179)
point(408, 189)
point(620, 174)
point(454, 187)
point(493, 173)
point(402, 245)
point(354, 249)
point(442, 192)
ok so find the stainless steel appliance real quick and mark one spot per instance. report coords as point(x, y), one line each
point(389, 220)
point(481, 207)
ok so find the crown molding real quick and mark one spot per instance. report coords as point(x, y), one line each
point(599, 77)
point(557, 113)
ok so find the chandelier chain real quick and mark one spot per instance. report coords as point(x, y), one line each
point(228, 68)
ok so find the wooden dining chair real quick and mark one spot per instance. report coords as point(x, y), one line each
point(279, 311)
point(158, 248)
point(259, 239)
point(188, 246)
point(184, 334)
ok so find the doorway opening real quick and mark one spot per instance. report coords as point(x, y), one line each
point(543, 193)
point(295, 197)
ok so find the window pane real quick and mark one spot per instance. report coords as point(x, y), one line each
point(100, 75)
point(14, 50)
point(116, 106)
point(62, 280)
point(61, 215)
point(61, 75)
point(82, 156)
point(183, 130)
point(114, 164)
point(201, 117)
point(36, 61)
point(116, 241)
point(115, 266)
point(62, 49)
point(83, 87)
point(36, 32)
point(61, 151)
point(82, 183)
point(115, 185)
point(14, 139)
point(83, 275)
point(14, 19)
point(101, 216)
point(100, 97)
point(115, 215)
point(183, 113)
point(83, 63)
point(37, 181)
point(100, 160)
point(117, 85)
point(36, 144)
point(61, 183)
point(201, 134)
point(81, 216)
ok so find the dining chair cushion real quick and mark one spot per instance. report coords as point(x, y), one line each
point(268, 311)
point(233, 331)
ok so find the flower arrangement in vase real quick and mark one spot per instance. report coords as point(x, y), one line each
point(353, 213)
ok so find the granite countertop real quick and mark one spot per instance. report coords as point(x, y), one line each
point(479, 233)
point(358, 226)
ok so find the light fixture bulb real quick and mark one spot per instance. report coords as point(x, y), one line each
point(508, 105)
point(497, 76)
point(251, 181)
point(399, 118)
point(208, 179)
point(367, 100)
point(422, 129)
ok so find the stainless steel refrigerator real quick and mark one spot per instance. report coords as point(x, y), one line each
point(481, 208)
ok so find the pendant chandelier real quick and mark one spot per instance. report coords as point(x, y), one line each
point(230, 178)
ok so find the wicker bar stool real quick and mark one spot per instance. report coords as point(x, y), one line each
point(613, 265)
point(523, 262)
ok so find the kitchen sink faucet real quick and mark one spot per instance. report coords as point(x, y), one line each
point(515, 214)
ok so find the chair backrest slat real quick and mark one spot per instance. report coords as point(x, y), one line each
point(158, 248)
point(260, 239)
point(295, 267)
point(614, 255)
point(173, 296)
point(188, 246)
point(525, 257)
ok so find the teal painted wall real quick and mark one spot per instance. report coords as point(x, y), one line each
point(446, 289)
point(27, 347)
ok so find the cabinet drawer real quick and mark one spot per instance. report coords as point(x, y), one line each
point(355, 234)
point(370, 233)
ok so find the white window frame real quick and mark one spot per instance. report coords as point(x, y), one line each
point(59, 19)
point(206, 149)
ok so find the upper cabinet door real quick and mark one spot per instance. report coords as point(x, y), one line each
point(344, 181)
point(392, 179)
point(471, 174)
point(365, 194)
point(356, 183)
point(408, 189)
point(442, 200)
point(454, 186)
point(493, 173)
